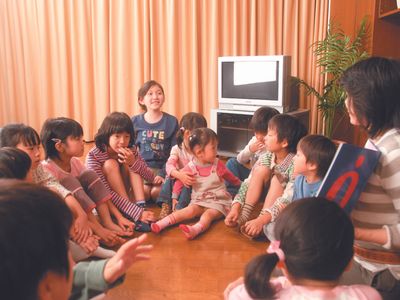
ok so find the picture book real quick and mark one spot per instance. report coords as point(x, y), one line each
point(348, 174)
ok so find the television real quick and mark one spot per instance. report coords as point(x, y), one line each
point(247, 82)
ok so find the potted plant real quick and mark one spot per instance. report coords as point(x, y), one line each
point(334, 55)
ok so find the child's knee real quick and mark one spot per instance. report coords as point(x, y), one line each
point(110, 165)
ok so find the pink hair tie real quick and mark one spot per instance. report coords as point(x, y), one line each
point(182, 128)
point(274, 248)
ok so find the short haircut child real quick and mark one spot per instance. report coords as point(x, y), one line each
point(316, 237)
point(201, 137)
point(59, 131)
point(116, 122)
point(13, 134)
point(319, 150)
point(373, 89)
point(289, 128)
point(189, 122)
point(14, 163)
point(32, 245)
point(261, 117)
point(145, 88)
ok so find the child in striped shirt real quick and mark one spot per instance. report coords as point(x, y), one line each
point(121, 168)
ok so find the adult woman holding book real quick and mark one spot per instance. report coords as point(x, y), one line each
point(373, 92)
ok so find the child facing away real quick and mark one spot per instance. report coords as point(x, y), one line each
point(155, 134)
point(274, 168)
point(310, 164)
point(121, 168)
point(180, 156)
point(26, 138)
point(209, 200)
point(255, 147)
point(62, 139)
point(314, 248)
point(15, 164)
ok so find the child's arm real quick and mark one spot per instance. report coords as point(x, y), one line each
point(140, 167)
point(224, 172)
point(248, 152)
point(287, 197)
point(178, 185)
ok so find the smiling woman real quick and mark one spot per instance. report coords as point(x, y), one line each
point(83, 59)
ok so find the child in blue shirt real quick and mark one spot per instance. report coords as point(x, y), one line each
point(311, 162)
point(155, 133)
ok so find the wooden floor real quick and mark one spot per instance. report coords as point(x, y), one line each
point(180, 269)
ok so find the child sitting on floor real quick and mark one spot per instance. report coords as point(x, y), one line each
point(311, 162)
point(210, 199)
point(62, 139)
point(179, 157)
point(15, 163)
point(284, 132)
point(121, 168)
point(254, 149)
point(155, 133)
point(27, 139)
point(314, 248)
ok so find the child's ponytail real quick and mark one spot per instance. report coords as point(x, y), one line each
point(189, 121)
point(257, 276)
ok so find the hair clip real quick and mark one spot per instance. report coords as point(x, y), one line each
point(193, 136)
point(274, 248)
point(55, 140)
point(182, 128)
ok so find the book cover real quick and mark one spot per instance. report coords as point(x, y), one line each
point(348, 174)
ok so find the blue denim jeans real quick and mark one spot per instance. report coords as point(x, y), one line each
point(239, 170)
point(166, 193)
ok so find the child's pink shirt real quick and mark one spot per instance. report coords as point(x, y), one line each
point(285, 291)
point(77, 168)
point(178, 158)
point(222, 172)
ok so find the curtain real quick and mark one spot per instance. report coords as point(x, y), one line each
point(84, 59)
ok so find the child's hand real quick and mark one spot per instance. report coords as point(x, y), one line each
point(148, 216)
point(158, 180)
point(91, 244)
point(257, 145)
point(81, 229)
point(126, 156)
point(233, 215)
point(186, 177)
point(126, 255)
point(125, 224)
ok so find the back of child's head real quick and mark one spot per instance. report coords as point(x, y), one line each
point(319, 150)
point(115, 122)
point(58, 130)
point(316, 239)
point(13, 134)
point(261, 117)
point(145, 88)
point(373, 88)
point(34, 230)
point(201, 137)
point(289, 128)
point(14, 163)
point(189, 121)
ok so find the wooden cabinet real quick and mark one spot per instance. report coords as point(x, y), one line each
point(389, 9)
point(384, 27)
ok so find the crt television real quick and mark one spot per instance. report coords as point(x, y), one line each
point(247, 82)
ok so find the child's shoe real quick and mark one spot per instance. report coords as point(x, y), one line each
point(165, 210)
point(142, 226)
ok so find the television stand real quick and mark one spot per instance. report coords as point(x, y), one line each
point(232, 128)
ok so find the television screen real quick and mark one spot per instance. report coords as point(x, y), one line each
point(250, 79)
